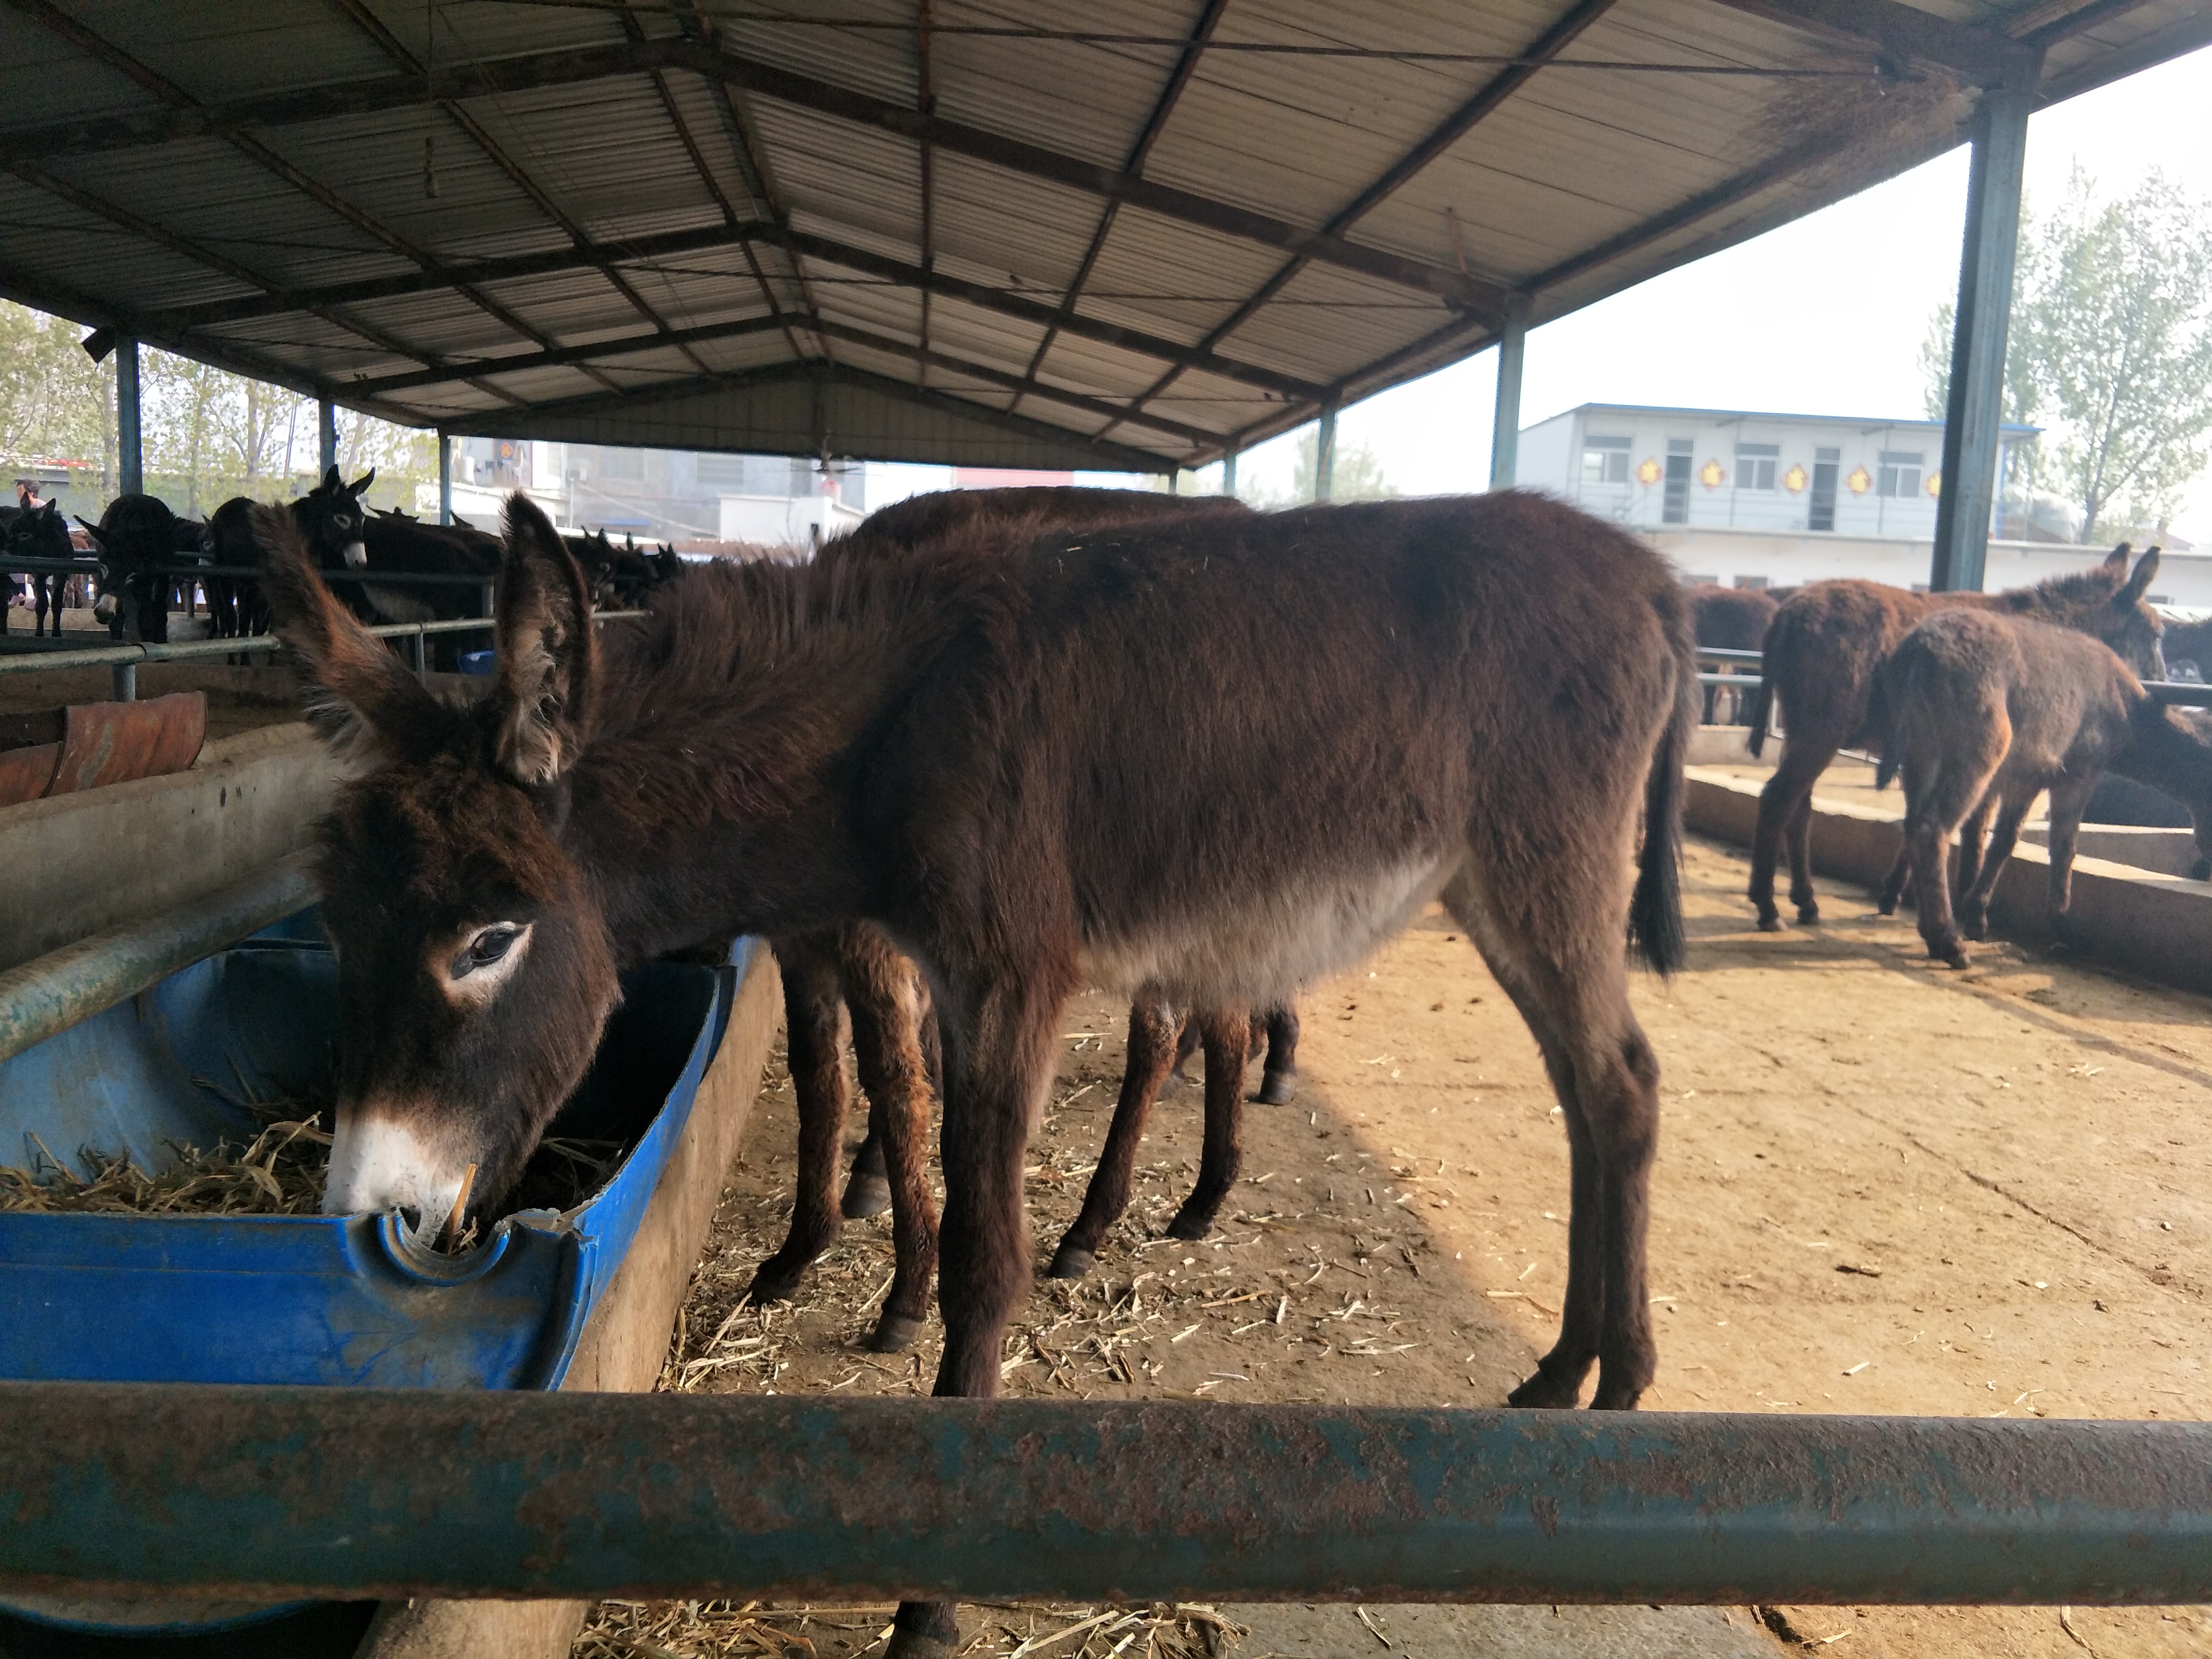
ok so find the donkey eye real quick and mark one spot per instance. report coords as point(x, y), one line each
point(487, 947)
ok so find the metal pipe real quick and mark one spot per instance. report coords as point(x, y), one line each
point(123, 682)
point(35, 662)
point(1505, 415)
point(1974, 414)
point(129, 446)
point(444, 477)
point(343, 1492)
point(1228, 473)
point(51, 993)
point(1325, 454)
point(326, 430)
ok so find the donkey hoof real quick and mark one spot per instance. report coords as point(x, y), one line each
point(913, 1645)
point(866, 1196)
point(1770, 922)
point(773, 1283)
point(1542, 1393)
point(1190, 1225)
point(1955, 956)
point(1808, 914)
point(1071, 1261)
point(1278, 1089)
point(894, 1333)
point(1973, 926)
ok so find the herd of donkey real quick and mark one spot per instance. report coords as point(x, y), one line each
point(993, 746)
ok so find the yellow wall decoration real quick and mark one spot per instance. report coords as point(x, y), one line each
point(1711, 475)
point(1649, 472)
point(1795, 479)
point(1861, 481)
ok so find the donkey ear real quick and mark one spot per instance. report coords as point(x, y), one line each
point(2116, 560)
point(360, 483)
point(2146, 568)
point(91, 530)
point(549, 659)
point(330, 480)
point(364, 697)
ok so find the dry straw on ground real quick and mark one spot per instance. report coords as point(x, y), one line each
point(731, 1630)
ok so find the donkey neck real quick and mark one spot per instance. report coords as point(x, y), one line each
point(717, 796)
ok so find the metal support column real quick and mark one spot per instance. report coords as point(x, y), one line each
point(1325, 454)
point(327, 423)
point(1975, 410)
point(1506, 420)
point(446, 479)
point(130, 443)
point(1228, 473)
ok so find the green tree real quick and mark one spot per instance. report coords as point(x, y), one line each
point(2110, 349)
point(1357, 476)
point(56, 404)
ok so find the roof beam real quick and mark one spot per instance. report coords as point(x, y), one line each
point(1163, 106)
point(1111, 457)
point(1456, 126)
point(705, 59)
point(1903, 32)
point(602, 350)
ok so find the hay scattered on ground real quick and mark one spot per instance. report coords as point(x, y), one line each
point(751, 1629)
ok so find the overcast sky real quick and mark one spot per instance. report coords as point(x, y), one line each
point(1824, 316)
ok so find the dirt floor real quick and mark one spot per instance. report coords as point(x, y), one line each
point(239, 698)
point(1883, 1186)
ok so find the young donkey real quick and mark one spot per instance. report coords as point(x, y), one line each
point(1983, 710)
point(1820, 654)
point(1481, 698)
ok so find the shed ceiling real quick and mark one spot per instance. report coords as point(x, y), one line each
point(1136, 235)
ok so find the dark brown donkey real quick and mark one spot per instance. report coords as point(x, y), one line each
point(851, 972)
point(1984, 711)
point(1822, 649)
point(1483, 699)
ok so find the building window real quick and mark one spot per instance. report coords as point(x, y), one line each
point(623, 465)
point(1751, 582)
point(1604, 461)
point(1674, 506)
point(726, 472)
point(1899, 474)
point(1823, 513)
point(1755, 464)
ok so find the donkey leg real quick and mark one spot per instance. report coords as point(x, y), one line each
point(1800, 833)
point(868, 1187)
point(1186, 1045)
point(814, 1042)
point(1228, 1039)
point(1893, 884)
point(999, 1060)
point(1566, 976)
point(1790, 788)
point(2068, 800)
point(883, 990)
point(1973, 836)
point(1152, 1031)
point(1279, 1082)
point(1974, 894)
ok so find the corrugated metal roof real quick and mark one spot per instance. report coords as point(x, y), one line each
point(1137, 248)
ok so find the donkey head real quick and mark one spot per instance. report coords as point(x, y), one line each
point(330, 517)
point(41, 532)
point(475, 972)
point(2130, 626)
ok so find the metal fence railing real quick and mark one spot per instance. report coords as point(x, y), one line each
point(124, 659)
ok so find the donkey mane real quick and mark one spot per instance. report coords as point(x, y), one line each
point(2074, 588)
point(721, 702)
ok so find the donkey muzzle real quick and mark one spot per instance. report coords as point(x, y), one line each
point(379, 1162)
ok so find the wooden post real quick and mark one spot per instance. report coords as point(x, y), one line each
point(1505, 418)
point(1975, 412)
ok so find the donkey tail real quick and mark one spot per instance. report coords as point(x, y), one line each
point(1655, 911)
point(1762, 709)
point(1881, 728)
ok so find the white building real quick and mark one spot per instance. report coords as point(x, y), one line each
point(1750, 499)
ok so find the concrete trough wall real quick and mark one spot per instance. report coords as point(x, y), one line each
point(2156, 925)
point(77, 865)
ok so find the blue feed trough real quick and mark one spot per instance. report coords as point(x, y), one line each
point(346, 1301)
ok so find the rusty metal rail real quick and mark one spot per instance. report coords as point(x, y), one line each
point(235, 1491)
